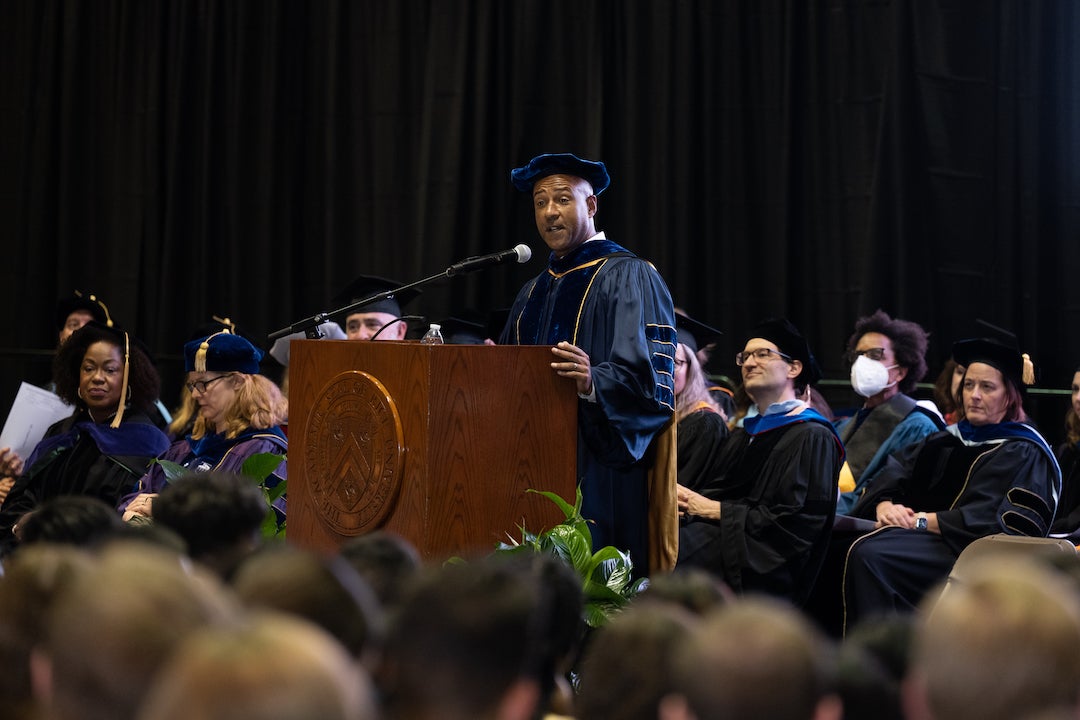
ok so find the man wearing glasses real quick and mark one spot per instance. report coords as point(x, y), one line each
point(888, 358)
point(763, 523)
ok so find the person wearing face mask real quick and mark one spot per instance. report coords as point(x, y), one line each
point(888, 358)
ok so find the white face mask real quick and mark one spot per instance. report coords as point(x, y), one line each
point(869, 377)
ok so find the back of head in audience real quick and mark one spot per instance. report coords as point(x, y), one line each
point(1002, 644)
point(463, 645)
point(217, 514)
point(325, 591)
point(627, 668)
point(80, 520)
point(871, 666)
point(33, 578)
point(755, 658)
point(272, 667)
point(113, 627)
point(697, 590)
point(385, 560)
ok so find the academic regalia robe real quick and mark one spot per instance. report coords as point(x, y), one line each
point(1067, 520)
point(614, 306)
point(80, 457)
point(218, 453)
point(979, 480)
point(701, 436)
point(776, 483)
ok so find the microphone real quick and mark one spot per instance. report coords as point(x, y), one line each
point(519, 253)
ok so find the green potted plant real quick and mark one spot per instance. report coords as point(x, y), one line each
point(606, 574)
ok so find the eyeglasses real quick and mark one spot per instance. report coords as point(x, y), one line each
point(873, 353)
point(202, 385)
point(761, 355)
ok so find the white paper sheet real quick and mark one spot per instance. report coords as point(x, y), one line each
point(33, 411)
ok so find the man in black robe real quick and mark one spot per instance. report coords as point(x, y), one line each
point(763, 523)
point(610, 321)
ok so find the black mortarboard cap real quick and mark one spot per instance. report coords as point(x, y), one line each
point(81, 301)
point(594, 172)
point(791, 342)
point(694, 334)
point(998, 353)
point(462, 331)
point(365, 286)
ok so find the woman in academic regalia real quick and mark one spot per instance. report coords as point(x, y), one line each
point(108, 442)
point(702, 426)
point(240, 414)
point(990, 473)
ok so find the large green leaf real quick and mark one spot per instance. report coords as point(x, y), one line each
point(171, 470)
point(605, 575)
point(261, 465)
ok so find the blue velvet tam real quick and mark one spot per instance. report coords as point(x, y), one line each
point(594, 172)
point(780, 332)
point(222, 352)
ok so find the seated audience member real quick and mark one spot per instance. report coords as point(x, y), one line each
point(386, 561)
point(763, 522)
point(106, 444)
point(1067, 520)
point(114, 626)
point(272, 667)
point(999, 646)
point(464, 646)
point(755, 658)
point(989, 473)
point(76, 310)
point(946, 390)
point(888, 358)
point(696, 590)
point(240, 415)
point(871, 665)
point(627, 667)
point(218, 515)
point(325, 591)
point(31, 581)
point(69, 520)
point(702, 425)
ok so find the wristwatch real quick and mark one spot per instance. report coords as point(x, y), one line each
point(920, 521)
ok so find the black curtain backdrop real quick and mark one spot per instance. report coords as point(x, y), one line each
point(810, 158)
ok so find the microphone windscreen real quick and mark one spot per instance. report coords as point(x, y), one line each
point(524, 252)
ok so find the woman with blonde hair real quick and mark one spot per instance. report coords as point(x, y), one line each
point(240, 414)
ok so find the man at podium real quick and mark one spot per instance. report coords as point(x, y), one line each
point(610, 320)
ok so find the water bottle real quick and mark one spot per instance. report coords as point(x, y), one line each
point(433, 336)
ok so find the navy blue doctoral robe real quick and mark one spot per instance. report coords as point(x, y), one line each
point(614, 306)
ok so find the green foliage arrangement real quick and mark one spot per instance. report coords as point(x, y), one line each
point(606, 575)
point(259, 467)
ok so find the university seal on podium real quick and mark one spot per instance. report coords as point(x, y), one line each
point(355, 448)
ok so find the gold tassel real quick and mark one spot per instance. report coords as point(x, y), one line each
point(1029, 370)
point(105, 309)
point(200, 354)
point(118, 418)
point(230, 326)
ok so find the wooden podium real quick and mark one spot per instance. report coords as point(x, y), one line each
point(438, 444)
